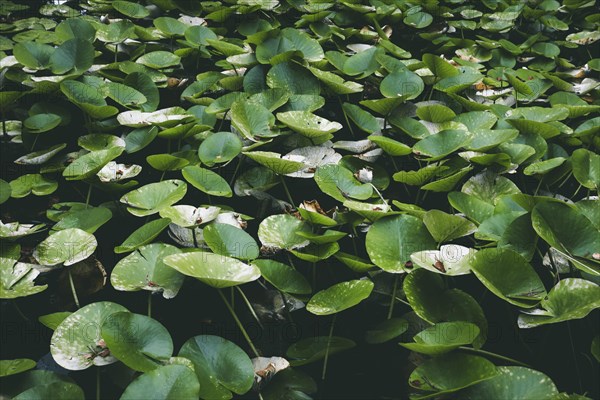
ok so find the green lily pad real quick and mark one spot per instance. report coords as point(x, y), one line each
point(252, 119)
point(336, 83)
point(91, 163)
point(275, 162)
point(230, 241)
point(513, 382)
point(390, 241)
point(144, 270)
point(353, 262)
point(445, 227)
point(219, 148)
point(308, 124)
point(143, 235)
point(16, 279)
point(63, 390)
point(316, 252)
point(125, 95)
point(427, 295)
point(75, 56)
point(283, 277)
point(207, 181)
point(509, 276)
point(5, 191)
point(313, 349)
point(391, 146)
point(443, 337)
point(439, 145)
point(12, 367)
point(151, 198)
point(40, 123)
point(340, 183)
point(66, 247)
point(74, 345)
point(165, 382)
point(166, 162)
point(339, 297)
point(449, 373)
point(279, 232)
point(571, 298)
point(213, 269)
point(131, 9)
point(586, 168)
point(15, 230)
point(138, 341)
point(387, 330)
point(159, 59)
point(402, 84)
point(53, 320)
point(32, 183)
point(88, 220)
point(450, 259)
point(221, 366)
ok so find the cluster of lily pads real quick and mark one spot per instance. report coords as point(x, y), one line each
point(337, 120)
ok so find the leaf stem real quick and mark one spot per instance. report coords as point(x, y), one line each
point(393, 300)
point(327, 348)
point(88, 196)
point(249, 306)
point(73, 290)
point(149, 304)
point(239, 323)
point(287, 191)
point(494, 355)
point(97, 383)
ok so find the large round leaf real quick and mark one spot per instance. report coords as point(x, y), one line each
point(513, 382)
point(390, 241)
point(213, 269)
point(75, 344)
point(339, 297)
point(144, 270)
point(387, 330)
point(219, 147)
point(308, 124)
point(143, 235)
point(275, 162)
point(443, 337)
point(91, 163)
point(207, 181)
point(66, 247)
point(12, 367)
point(75, 55)
point(221, 366)
point(140, 342)
point(230, 241)
point(450, 259)
point(403, 84)
point(509, 276)
point(450, 372)
point(61, 390)
point(445, 227)
point(439, 145)
point(571, 298)
point(283, 277)
point(279, 232)
point(167, 382)
point(151, 198)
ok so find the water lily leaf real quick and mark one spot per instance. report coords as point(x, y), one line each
point(586, 168)
point(427, 295)
point(516, 281)
point(340, 183)
point(5, 191)
point(289, 40)
point(387, 330)
point(151, 198)
point(72, 342)
point(565, 229)
point(75, 55)
point(403, 84)
point(140, 342)
point(439, 67)
point(363, 64)
point(283, 277)
point(40, 123)
point(451, 372)
point(252, 120)
point(170, 26)
point(207, 181)
point(312, 212)
point(125, 95)
point(543, 167)
point(316, 252)
point(457, 83)
point(363, 119)
point(292, 78)
point(64, 390)
point(15, 230)
point(166, 162)
point(159, 59)
point(32, 183)
point(144, 270)
point(390, 146)
point(275, 162)
point(98, 141)
point(390, 241)
point(221, 366)
point(339, 297)
point(130, 9)
point(143, 83)
point(199, 35)
point(143, 235)
point(91, 163)
point(166, 117)
point(443, 337)
point(571, 298)
point(88, 220)
point(313, 349)
point(116, 31)
point(66, 247)
point(12, 367)
point(219, 148)
point(439, 145)
point(53, 320)
point(336, 83)
point(165, 382)
point(418, 19)
point(33, 55)
point(279, 232)
point(450, 259)
point(445, 227)
point(16, 279)
point(189, 216)
point(353, 262)
point(214, 270)
point(513, 382)
point(308, 124)
point(230, 241)
point(113, 172)
point(329, 236)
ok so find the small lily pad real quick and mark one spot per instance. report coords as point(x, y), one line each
point(207, 181)
point(66, 247)
point(151, 198)
point(143, 235)
point(230, 241)
point(313, 349)
point(450, 259)
point(12, 367)
point(443, 337)
point(513, 382)
point(283, 277)
point(339, 297)
point(279, 231)
point(165, 382)
point(387, 330)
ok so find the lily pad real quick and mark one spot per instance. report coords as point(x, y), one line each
point(138, 341)
point(339, 297)
point(144, 270)
point(445, 227)
point(387, 330)
point(91, 163)
point(513, 382)
point(283, 277)
point(313, 349)
point(230, 241)
point(279, 232)
point(391, 240)
point(213, 269)
point(143, 235)
point(450, 259)
point(308, 124)
point(219, 148)
point(165, 382)
point(221, 366)
point(151, 198)
point(275, 162)
point(439, 145)
point(66, 247)
point(207, 181)
point(75, 341)
point(12, 367)
point(443, 337)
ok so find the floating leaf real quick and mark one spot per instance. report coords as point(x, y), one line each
point(450, 259)
point(313, 349)
point(67, 247)
point(143, 235)
point(230, 241)
point(387, 330)
point(12, 367)
point(339, 297)
point(207, 181)
point(283, 277)
point(151, 198)
point(443, 337)
point(165, 382)
point(515, 383)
